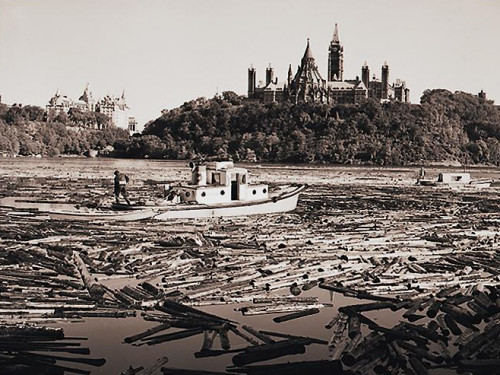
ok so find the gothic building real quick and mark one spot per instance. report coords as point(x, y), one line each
point(307, 85)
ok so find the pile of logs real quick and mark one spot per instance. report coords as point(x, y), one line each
point(31, 349)
point(428, 256)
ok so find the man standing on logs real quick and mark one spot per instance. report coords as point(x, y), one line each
point(121, 181)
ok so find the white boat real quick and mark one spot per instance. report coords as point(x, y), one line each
point(216, 189)
point(220, 189)
point(455, 181)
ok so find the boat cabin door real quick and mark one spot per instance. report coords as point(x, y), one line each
point(234, 187)
point(237, 180)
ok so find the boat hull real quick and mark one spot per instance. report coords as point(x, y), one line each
point(285, 202)
point(282, 203)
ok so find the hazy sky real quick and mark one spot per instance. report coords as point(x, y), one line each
point(166, 52)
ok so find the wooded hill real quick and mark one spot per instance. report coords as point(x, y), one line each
point(446, 126)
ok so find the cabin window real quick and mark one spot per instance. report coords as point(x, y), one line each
point(188, 194)
point(254, 192)
point(222, 192)
point(216, 178)
point(203, 194)
point(264, 191)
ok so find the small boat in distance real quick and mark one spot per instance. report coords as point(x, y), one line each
point(217, 189)
point(455, 180)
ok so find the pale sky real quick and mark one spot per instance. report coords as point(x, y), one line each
point(166, 52)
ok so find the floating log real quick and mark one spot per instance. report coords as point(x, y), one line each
point(269, 351)
point(173, 336)
point(259, 335)
point(293, 337)
point(322, 367)
point(178, 371)
point(146, 333)
point(421, 352)
point(151, 369)
point(96, 362)
point(95, 289)
point(419, 368)
point(249, 339)
point(300, 314)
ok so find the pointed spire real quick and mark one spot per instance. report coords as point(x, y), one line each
point(336, 35)
point(307, 53)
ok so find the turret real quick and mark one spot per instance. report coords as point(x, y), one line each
point(290, 75)
point(365, 75)
point(252, 76)
point(385, 81)
point(269, 74)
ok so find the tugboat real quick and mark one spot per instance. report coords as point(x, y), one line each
point(220, 189)
point(216, 189)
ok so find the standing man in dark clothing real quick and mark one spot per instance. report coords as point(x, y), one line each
point(121, 181)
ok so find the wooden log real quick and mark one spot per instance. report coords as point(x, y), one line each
point(421, 352)
point(96, 362)
point(477, 342)
point(417, 366)
point(259, 335)
point(424, 331)
point(434, 309)
point(173, 336)
point(214, 353)
point(224, 339)
point(293, 337)
point(465, 337)
point(294, 368)
point(491, 364)
point(208, 339)
point(296, 315)
point(249, 339)
point(178, 371)
point(353, 326)
point(460, 314)
point(269, 351)
point(175, 308)
point(154, 367)
point(146, 333)
point(95, 289)
point(452, 325)
point(370, 307)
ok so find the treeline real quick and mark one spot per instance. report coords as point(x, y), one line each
point(29, 130)
point(445, 127)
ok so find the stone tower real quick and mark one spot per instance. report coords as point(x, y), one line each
point(365, 75)
point(385, 81)
point(252, 76)
point(269, 74)
point(335, 58)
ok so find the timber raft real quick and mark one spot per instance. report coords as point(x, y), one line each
point(428, 258)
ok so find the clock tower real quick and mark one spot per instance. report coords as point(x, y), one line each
point(335, 58)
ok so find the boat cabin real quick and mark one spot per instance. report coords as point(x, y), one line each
point(454, 178)
point(220, 182)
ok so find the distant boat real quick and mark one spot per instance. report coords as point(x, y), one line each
point(455, 180)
